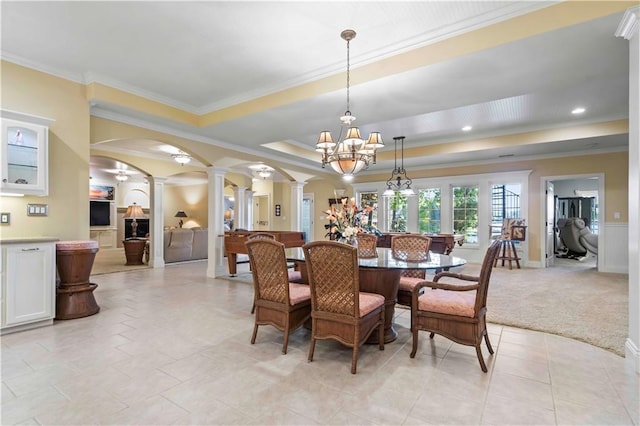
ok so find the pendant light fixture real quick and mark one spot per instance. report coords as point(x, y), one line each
point(399, 181)
point(352, 154)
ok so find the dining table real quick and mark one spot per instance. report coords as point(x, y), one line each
point(381, 275)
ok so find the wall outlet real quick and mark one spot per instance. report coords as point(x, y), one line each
point(616, 215)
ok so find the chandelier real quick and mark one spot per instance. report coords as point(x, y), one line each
point(399, 181)
point(181, 157)
point(264, 173)
point(352, 154)
point(122, 176)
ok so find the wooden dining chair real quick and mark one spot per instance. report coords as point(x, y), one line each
point(367, 245)
point(339, 310)
point(411, 248)
point(455, 311)
point(277, 302)
point(294, 276)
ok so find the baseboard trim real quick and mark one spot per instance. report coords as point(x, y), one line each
point(632, 355)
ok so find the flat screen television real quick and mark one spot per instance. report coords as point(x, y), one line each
point(99, 213)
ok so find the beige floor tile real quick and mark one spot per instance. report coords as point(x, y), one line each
point(568, 413)
point(170, 346)
point(502, 411)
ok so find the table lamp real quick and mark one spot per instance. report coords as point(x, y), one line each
point(134, 211)
point(180, 214)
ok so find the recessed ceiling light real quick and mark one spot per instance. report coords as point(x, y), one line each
point(578, 110)
point(466, 128)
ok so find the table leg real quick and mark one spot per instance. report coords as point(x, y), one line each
point(232, 259)
point(384, 282)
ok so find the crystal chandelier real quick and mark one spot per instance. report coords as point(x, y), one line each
point(181, 157)
point(352, 154)
point(122, 176)
point(399, 181)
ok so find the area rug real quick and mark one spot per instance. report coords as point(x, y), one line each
point(578, 303)
point(112, 260)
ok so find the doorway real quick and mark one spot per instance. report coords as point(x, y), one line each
point(571, 196)
point(307, 216)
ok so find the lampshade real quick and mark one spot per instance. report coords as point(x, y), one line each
point(134, 211)
point(180, 214)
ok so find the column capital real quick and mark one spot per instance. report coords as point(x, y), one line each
point(157, 179)
point(297, 184)
point(630, 23)
point(217, 170)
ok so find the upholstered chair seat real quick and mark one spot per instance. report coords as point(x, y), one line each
point(411, 248)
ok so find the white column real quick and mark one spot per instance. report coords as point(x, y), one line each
point(296, 206)
point(240, 207)
point(216, 266)
point(629, 28)
point(249, 219)
point(156, 245)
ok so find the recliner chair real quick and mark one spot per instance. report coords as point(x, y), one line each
point(578, 238)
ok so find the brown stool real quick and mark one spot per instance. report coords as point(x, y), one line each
point(74, 293)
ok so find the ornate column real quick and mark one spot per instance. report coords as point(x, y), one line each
point(240, 207)
point(296, 206)
point(156, 222)
point(629, 28)
point(216, 266)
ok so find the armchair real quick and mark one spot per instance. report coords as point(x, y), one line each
point(455, 311)
point(578, 238)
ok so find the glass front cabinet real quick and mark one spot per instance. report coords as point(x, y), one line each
point(25, 154)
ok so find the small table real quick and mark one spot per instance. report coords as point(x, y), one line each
point(134, 250)
point(381, 275)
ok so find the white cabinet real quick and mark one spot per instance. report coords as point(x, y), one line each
point(28, 283)
point(25, 154)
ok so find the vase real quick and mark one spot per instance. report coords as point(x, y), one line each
point(352, 241)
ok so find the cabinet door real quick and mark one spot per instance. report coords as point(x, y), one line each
point(24, 158)
point(30, 282)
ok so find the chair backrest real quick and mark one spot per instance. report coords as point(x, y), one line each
point(333, 277)
point(269, 269)
point(570, 235)
point(485, 274)
point(367, 244)
point(412, 248)
point(262, 235)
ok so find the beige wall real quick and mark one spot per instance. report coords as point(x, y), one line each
point(190, 198)
point(31, 92)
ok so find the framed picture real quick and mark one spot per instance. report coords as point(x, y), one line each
point(5, 218)
point(518, 233)
point(101, 192)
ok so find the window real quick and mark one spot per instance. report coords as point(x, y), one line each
point(370, 199)
point(505, 204)
point(429, 210)
point(397, 213)
point(465, 212)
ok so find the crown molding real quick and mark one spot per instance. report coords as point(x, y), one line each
point(630, 23)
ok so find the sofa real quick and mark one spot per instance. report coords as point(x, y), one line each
point(182, 244)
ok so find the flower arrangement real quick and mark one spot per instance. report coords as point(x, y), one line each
point(347, 220)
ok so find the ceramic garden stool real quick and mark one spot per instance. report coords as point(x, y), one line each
point(74, 292)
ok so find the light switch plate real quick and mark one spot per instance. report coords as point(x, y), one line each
point(37, 209)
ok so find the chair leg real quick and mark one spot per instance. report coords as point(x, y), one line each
point(480, 358)
point(431, 335)
point(253, 307)
point(414, 347)
point(286, 339)
point(486, 340)
point(255, 333)
point(312, 347)
point(381, 336)
point(354, 358)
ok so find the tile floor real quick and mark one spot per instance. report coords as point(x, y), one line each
point(172, 347)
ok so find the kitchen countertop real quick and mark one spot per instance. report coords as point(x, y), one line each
point(28, 240)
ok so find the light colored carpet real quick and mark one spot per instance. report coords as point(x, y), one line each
point(571, 301)
point(112, 260)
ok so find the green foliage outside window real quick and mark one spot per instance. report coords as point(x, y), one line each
point(465, 212)
point(398, 213)
point(429, 210)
